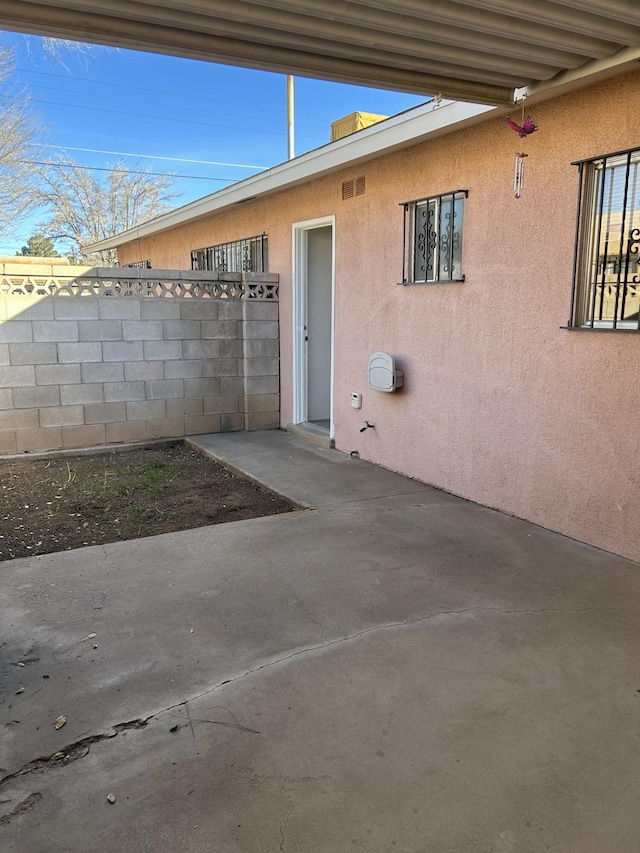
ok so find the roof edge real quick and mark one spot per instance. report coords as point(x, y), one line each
point(399, 131)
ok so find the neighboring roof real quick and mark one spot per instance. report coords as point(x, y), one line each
point(474, 50)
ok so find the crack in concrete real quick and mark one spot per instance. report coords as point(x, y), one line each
point(81, 748)
point(319, 624)
point(388, 627)
point(313, 619)
point(21, 808)
point(283, 826)
point(420, 491)
point(72, 752)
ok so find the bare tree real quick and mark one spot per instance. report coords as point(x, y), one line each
point(86, 206)
point(18, 130)
point(58, 51)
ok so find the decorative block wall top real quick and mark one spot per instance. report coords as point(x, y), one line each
point(21, 280)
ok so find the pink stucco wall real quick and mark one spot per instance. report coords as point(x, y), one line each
point(500, 404)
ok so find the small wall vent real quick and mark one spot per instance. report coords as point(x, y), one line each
point(353, 187)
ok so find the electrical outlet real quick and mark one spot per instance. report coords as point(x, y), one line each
point(356, 401)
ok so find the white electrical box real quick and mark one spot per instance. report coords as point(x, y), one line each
point(383, 374)
point(356, 401)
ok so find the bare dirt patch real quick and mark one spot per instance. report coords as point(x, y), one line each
point(72, 501)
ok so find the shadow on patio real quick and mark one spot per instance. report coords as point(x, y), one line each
point(393, 669)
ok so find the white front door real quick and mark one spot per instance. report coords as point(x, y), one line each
point(313, 273)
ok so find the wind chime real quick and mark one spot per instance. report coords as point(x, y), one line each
point(523, 130)
point(518, 178)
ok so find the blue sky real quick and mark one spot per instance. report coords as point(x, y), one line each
point(165, 107)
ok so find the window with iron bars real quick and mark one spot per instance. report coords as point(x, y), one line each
point(141, 265)
point(247, 255)
point(432, 248)
point(606, 267)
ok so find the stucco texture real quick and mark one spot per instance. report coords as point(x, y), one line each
point(500, 405)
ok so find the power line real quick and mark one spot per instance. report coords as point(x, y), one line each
point(146, 156)
point(156, 104)
point(144, 89)
point(160, 118)
point(122, 171)
point(159, 91)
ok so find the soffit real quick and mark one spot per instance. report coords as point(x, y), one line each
point(476, 51)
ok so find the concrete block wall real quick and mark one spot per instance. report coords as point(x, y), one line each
point(87, 370)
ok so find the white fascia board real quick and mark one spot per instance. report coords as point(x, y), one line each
point(400, 131)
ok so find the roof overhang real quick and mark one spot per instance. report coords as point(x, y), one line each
point(411, 127)
point(474, 50)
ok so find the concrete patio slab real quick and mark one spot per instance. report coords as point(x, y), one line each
point(303, 471)
point(394, 669)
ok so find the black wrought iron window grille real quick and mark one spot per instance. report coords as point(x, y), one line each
point(247, 255)
point(432, 244)
point(606, 265)
point(140, 265)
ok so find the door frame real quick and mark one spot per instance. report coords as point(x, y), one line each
point(299, 304)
